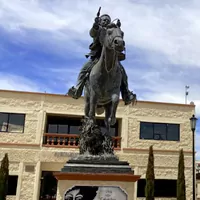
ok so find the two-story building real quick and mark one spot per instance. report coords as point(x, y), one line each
point(40, 132)
point(198, 179)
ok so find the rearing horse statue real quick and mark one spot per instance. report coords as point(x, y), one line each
point(103, 85)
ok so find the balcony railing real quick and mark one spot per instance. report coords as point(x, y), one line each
point(70, 140)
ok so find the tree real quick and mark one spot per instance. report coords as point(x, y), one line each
point(4, 172)
point(149, 188)
point(181, 177)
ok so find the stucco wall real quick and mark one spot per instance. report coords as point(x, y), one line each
point(165, 164)
point(27, 187)
point(164, 114)
point(198, 190)
point(35, 106)
point(25, 104)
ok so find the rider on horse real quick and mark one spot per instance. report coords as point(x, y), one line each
point(95, 53)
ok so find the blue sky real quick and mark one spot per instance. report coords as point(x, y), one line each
point(43, 43)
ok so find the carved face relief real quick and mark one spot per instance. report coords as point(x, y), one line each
point(109, 193)
point(73, 195)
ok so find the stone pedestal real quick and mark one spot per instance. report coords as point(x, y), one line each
point(96, 178)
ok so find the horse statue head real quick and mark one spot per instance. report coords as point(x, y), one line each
point(111, 37)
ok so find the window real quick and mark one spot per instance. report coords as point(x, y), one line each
point(63, 124)
point(159, 131)
point(162, 188)
point(12, 185)
point(13, 123)
point(48, 186)
point(72, 125)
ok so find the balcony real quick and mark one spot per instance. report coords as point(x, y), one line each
point(70, 141)
point(63, 131)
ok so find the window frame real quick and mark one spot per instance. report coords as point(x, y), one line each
point(157, 184)
point(153, 129)
point(70, 121)
point(9, 182)
point(42, 190)
point(8, 120)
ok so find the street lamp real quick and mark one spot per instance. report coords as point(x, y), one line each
point(193, 120)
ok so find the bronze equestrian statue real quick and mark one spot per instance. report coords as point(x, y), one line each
point(95, 53)
point(103, 76)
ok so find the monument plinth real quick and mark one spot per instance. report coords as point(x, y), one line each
point(104, 172)
point(97, 173)
point(115, 181)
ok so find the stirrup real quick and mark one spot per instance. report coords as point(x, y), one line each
point(132, 100)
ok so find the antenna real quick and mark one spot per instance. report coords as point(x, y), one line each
point(186, 93)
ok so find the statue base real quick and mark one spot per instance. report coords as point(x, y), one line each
point(97, 164)
point(96, 178)
point(100, 177)
point(96, 173)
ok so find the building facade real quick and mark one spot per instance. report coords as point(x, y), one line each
point(198, 179)
point(40, 132)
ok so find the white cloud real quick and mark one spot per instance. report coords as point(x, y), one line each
point(14, 82)
point(171, 28)
point(168, 30)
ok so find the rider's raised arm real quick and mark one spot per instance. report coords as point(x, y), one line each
point(94, 31)
point(95, 28)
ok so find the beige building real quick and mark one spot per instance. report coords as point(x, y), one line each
point(198, 179)
point(40, 133)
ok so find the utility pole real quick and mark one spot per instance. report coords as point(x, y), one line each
point(186, 93)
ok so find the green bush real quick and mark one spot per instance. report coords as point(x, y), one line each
point(4, 172)
point(181, 177)
point(149, 188)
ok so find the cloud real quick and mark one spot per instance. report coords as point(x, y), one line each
point(14, 82)
point(167, 34)
point(170, 28)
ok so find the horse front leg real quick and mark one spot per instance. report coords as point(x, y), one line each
point(92, 105)
point(87, 106)
point(107, 108)
point(115, 101)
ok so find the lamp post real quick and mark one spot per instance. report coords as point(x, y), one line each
point(193, 120)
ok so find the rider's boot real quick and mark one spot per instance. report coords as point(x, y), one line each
point(128, 97)
point(76, 92)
